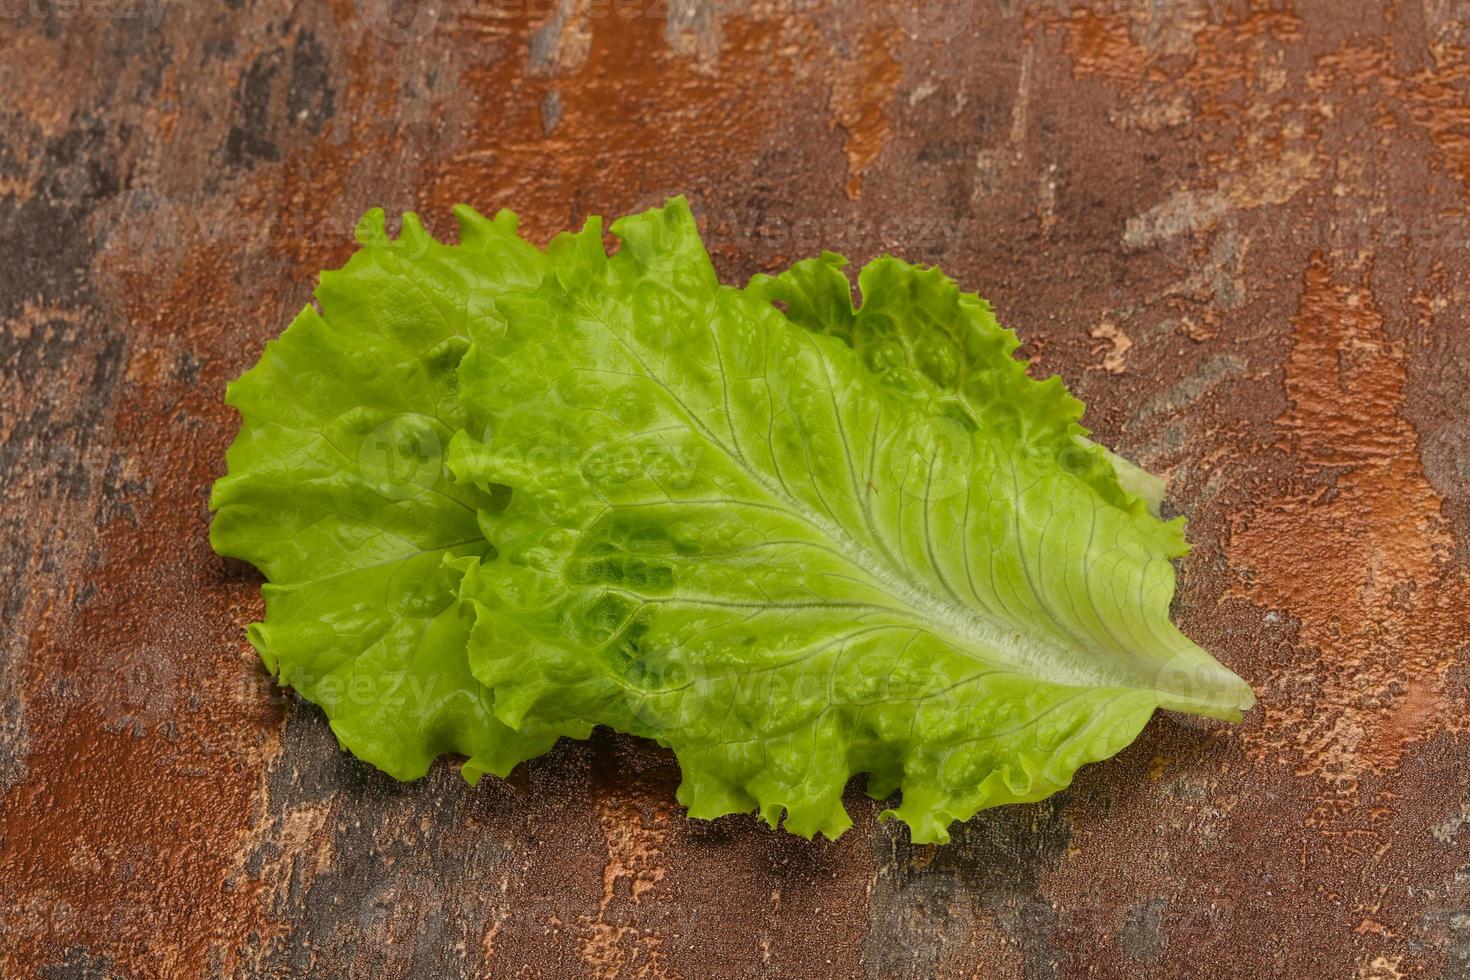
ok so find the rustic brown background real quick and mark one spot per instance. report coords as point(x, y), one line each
point(1238, 228)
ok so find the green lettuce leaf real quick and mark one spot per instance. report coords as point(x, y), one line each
point(793, 538)
point(872, 545)
point(337, 493)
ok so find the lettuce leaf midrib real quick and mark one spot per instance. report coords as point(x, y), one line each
point(964, 628)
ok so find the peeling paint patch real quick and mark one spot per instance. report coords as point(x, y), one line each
point(561, 44)
point(1116, 347)
point(1381, 596)
point(1433, 98)
point(860, 97)
point(1449, 831)
point(635, 842)
point(1380, 968)
point(694, 27)
point(1191, 211)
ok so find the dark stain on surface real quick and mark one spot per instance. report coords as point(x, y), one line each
point(251, 139)
point(1142, 935)
point(46, 234)
point(927, 899)
point(52, 438)
point(310, 99)
point(79, 965)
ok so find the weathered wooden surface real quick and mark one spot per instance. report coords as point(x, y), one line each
point(1237, 228)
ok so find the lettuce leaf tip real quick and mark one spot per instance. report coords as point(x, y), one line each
point(504, 494)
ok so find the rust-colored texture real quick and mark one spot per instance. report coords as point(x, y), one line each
point(1238, 228)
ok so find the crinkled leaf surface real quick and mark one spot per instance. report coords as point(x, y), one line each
point(337, 493)
point(793, 546)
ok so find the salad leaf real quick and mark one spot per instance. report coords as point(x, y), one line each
point(337, 493)
point(791, 537)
